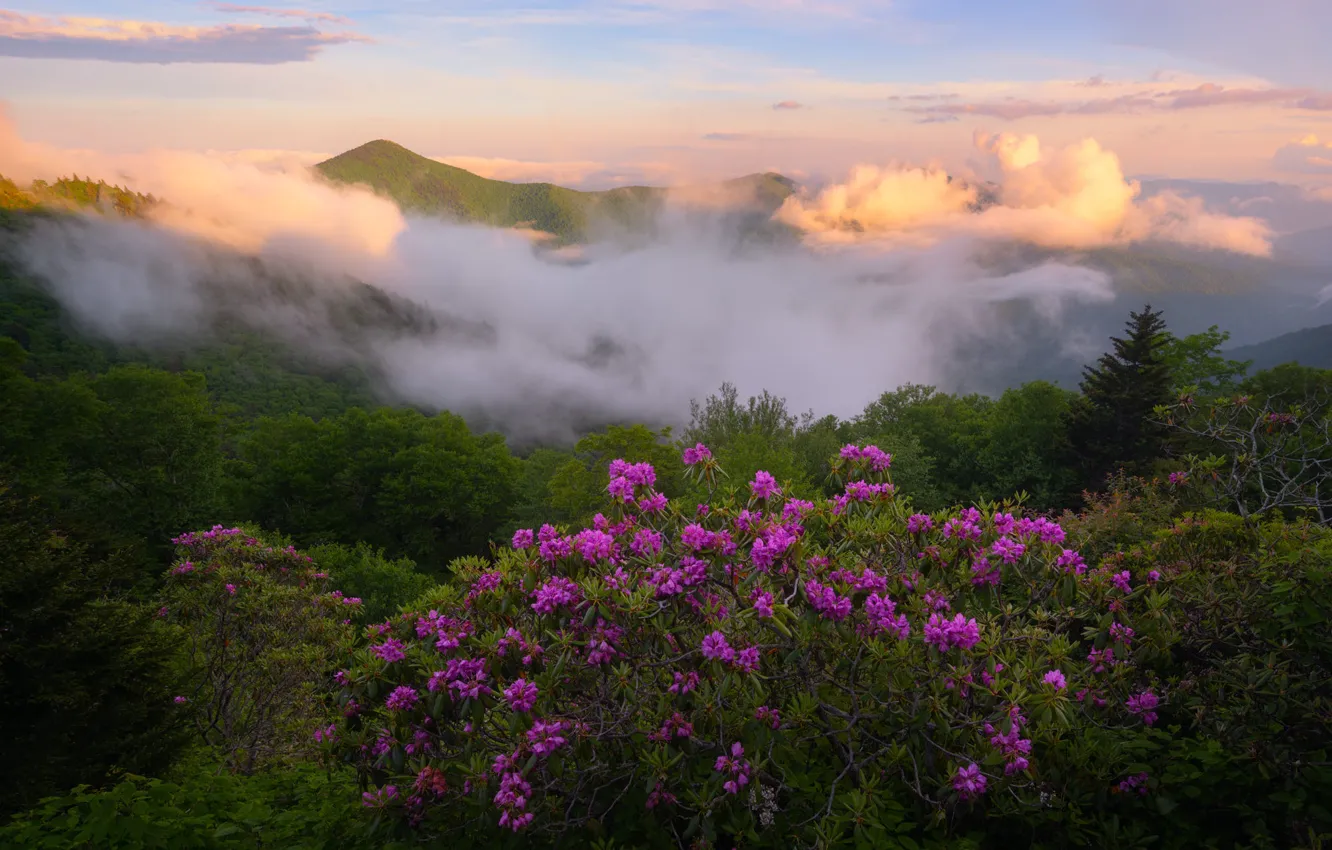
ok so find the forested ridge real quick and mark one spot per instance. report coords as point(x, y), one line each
point(244, 604)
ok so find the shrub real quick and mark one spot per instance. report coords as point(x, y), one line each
point(778, 673)
point(303, 808)
point(262, 634)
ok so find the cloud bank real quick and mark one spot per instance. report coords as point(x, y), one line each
point(69, 37)
point(508, 337)
point(1076, 196)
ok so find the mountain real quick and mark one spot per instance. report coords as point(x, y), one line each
point(422, 185)
point(1308, 347)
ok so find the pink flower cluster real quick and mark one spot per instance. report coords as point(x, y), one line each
point(1014, 748)
point(946, 634)
point(879, 460)
point(734, 766)
point(522, 695)
point(1144, 705)
point(696, 455)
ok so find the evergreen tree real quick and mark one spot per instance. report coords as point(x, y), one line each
point(1109, 428)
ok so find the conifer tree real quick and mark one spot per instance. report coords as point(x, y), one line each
point(1109, 428)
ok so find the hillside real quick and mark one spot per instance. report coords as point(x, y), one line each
point(422, 185)
point(1308, 347)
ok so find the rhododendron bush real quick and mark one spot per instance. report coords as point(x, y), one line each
point(261, 631)
point(776, 668)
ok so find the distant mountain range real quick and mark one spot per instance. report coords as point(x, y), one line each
point(422, 185)
point(1308, 347)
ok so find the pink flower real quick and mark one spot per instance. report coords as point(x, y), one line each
point(716, 648)
point(403, 698)
point(1056, 678)
point(523, 538)
point(917, 523)
point(762, 602)
point(764, 486)
point(946, 634)
point(697, 454)
point(1143, 704)
point(522, 695)
point(969, 782)
point(231, 589)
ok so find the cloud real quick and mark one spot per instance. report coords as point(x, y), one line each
point(938, 119)
point(1204, 96)
point(1093, 82)
point(1075, 196)
point(32, 37)
point(787, 104)
point(1307, 155)
point(1316, 102)
point(302, 14)
point(728, 137)
point(503, 335)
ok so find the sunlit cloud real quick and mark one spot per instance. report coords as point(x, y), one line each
point(1307, 155)
point(299, 14)
point(66, 37)
point(1203, 96)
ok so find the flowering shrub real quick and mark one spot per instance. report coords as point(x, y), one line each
point(262, 633)
point(782, 670)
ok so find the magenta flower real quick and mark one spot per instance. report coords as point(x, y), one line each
point(180, 700)
point(231, 589)
point(917, 523)
point(523, 538)
point(403, 698)
point(557, 591)
point(734, 766)
point(684, 684)
point(716, 648)
point(522, 695)
point(747, 660)
point(1071, 562)
point(969, 782)
point(762, 602)
point(771, 716)
point(764, 486)
point(697, 454)
point(946, 634)
point(881, 612)
point(546, 737)
point(1009, 551)
point(390, 650)
point(1056, 678)
point(1134, 783)
point(1121, 581)
point(1143, 704)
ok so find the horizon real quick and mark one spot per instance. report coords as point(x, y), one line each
point(592, 95)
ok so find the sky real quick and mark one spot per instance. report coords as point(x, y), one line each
point(594, 93)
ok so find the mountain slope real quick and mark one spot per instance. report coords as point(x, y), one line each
point(1308, 347)
point(422, 185)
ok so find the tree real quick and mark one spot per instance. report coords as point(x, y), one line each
point(422, 487)
point(577, 490)
point(1110, 426)
point(1197, 361)
point(86, 679)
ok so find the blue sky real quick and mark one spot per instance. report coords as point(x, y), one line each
point(615, 90)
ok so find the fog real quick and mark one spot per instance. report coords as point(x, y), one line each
point(510, 335)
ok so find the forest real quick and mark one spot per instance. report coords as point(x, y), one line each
point(244, 604)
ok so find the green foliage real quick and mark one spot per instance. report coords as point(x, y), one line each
point(423, 487)
point(302, 808)
point(86, 677)
point(577, 489)
point(261, 635)
point(382, 584)
point(1196, 361)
